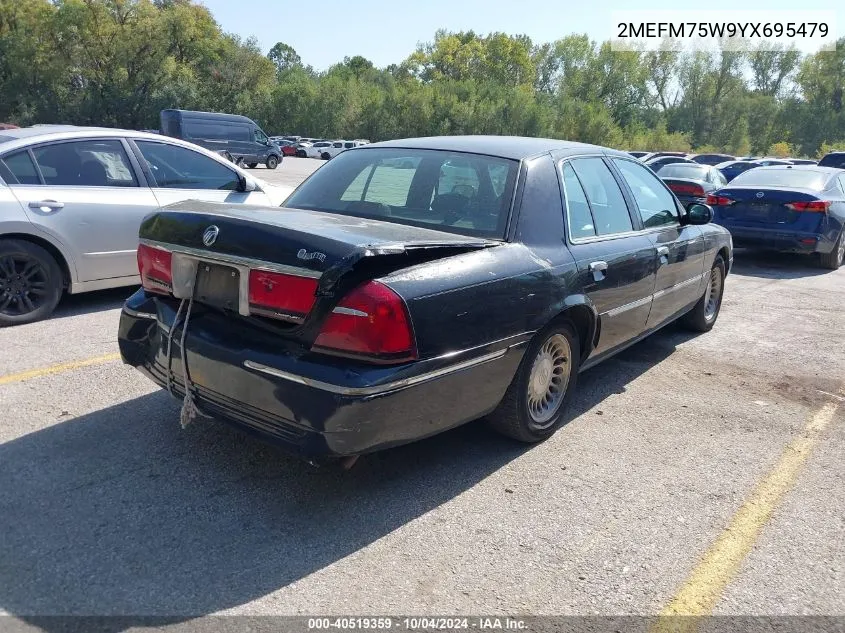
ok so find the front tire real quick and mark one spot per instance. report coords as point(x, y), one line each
point(272, 162)
point(30, 283)
point(534, 405)
point(703, 316)
point(325, 156)
point(836, 257)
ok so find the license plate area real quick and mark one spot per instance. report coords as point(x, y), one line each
point(218, 285)
point(759, 209)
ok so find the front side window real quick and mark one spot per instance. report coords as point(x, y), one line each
point(260, 137)
point(175, 167)
point(655, 202)
point(610, 212)
point(447, 191)
point(91, 163)
point(19, 169)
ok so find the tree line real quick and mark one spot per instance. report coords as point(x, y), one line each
point(119, 62)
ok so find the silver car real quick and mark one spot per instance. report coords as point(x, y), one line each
point(72, 200)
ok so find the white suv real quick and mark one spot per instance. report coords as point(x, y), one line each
point(337, 147)
point(316, 150)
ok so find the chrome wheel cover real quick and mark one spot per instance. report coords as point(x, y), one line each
point(548, 380)
point(713, 294)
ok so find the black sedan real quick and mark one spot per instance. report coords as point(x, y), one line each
point(691, 183)
point(411, 286)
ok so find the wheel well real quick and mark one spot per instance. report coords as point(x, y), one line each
point(47, 246)
point(585, 326)
point(725, 258)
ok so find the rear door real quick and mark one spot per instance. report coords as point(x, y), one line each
point(679, 250)
point(88, 196)
point(615, 261)
point(177, 173)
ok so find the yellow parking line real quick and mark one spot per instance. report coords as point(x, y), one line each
point(57, 369)
point(704, 586)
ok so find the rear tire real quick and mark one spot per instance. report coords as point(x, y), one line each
point(534, 405)
point(272, 162)
point(703, 316)
point(835, 258)
point(30, 283)
point(252, 165)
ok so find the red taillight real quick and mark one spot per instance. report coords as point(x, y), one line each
point(279, 295)
point(687, 190)
point(154, 266)
point(813, 206)
point(372, 321)
point(719, 201)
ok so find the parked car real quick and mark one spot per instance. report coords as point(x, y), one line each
point(652, 155)
point(72, 199)
point(691, 182)
point(833, 159)
point(288, 148)
point(339, 146)
point(733, 168)
point(769, 161)
point(317, 149)
point(660, 161)
point(236, 134)
point(802, 161)
point(794, 209)
point(324, 327)
point(710, 159)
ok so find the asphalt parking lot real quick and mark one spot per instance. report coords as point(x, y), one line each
point(697, 474)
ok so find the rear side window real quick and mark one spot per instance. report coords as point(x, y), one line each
point(91, 163)
point(579, 218)
point(218, 131)
point(655, 203)
point(610, 213)
point(19, 169)
point(175, 167)
point(833, 160)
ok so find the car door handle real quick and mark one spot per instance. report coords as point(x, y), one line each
point(47, 205)
point(599, 270)
point(662, 255)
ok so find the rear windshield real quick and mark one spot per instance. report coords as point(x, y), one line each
point(449, 191)
point(683, 170)
point(804, 179)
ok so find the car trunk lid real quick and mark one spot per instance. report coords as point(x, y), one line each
point(769, 207)
point(233, 256)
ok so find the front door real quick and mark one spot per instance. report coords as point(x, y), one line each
point(87, 196)
point(679, 250)
point(616, 264)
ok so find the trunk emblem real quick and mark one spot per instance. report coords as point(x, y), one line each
point(210, 235)
point(760, 194)
point(303, 254)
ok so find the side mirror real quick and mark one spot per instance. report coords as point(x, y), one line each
point(698, 214)
point(247, 185)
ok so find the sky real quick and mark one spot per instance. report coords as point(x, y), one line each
point(323, 32)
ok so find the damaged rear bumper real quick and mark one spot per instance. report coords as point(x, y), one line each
point(312, 405)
